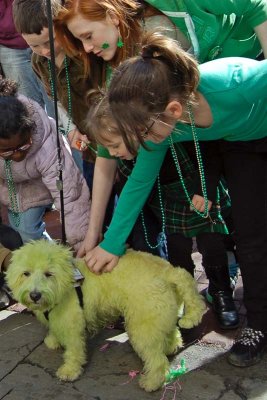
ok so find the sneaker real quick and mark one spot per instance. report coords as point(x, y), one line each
point(248, 349)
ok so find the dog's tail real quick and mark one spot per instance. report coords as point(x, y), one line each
point(187, 293)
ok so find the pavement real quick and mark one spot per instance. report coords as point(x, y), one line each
point(27, 367)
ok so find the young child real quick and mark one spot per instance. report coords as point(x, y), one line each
point(29, 170)
point(165, 97)
point(30, 17)
point(166, 212)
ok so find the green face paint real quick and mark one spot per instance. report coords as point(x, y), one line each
point(105, 46)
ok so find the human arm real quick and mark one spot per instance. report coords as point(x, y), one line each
point(130, 204)
point(104, 176)
point(70, 130)
point(75, 190)
point(261, 32)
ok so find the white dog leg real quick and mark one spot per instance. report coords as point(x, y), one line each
point(51, 342)
point(74, 359)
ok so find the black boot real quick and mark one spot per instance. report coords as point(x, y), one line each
point(220, 295)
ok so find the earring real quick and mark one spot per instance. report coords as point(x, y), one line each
point(120, 43)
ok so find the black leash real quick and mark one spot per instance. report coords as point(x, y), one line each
point(53, 77)
point(80, 298)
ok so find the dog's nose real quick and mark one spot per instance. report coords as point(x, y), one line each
point(35, 296)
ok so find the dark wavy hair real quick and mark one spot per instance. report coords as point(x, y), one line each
point(14, 116)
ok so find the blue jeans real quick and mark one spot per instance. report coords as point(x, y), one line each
point(32, 226)
point(16, 65)
point(88, 173)
point(78, 158)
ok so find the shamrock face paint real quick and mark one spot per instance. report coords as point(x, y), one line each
point(105, 46)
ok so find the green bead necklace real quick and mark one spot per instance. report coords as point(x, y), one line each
point(204, 214)
point(12, 193)
point(162, 240)
point(109, 72)
point(162, 236)
point(65, 133)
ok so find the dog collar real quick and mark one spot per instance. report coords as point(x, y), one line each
point(80, 298)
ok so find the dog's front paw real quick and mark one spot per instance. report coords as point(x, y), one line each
point(51, 342)
point(69, 373)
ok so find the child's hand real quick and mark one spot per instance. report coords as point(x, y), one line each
point(199, 203)
point(99, 260)
point(77, 140)
point(89, 243)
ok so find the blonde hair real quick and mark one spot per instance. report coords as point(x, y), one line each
point(142, 86)
point(100, 121)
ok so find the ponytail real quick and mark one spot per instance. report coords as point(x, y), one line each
point(144, 85)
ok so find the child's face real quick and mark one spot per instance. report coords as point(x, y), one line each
point(98, 37)
point(40, 43)
point(117, 148)
point(16, 147)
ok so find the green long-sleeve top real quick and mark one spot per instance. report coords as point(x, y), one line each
point(217, 28)
point(236, 90)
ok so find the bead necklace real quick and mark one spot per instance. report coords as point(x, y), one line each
point(162, 239)
point(68, 91)
point(162, 236)
point(204, 214)
point(12, 193)
point(108, 72)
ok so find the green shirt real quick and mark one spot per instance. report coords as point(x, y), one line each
point(217, 28)
point(236, 90)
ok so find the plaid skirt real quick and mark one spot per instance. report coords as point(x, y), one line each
point(178, 216)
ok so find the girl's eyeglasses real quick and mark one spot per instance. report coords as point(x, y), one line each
point(23, 148)
point(144, 134)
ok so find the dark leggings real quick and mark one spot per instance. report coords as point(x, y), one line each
point(210, 245)
point(246, 176)
point(9, 238)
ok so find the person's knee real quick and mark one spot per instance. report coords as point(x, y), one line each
point(10, 238)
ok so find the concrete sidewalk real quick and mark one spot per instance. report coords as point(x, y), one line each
point(27, 367)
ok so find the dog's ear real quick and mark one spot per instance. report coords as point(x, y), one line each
point(14, 274)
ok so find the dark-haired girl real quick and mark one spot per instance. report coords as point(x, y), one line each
point(29, 169)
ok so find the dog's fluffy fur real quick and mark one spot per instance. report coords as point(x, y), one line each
point(145, 289)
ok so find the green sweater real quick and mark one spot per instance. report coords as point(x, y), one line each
point(217, 28)
point(236, 90)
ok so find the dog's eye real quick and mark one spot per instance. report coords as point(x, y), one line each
point(48, 274)
point(26, 273)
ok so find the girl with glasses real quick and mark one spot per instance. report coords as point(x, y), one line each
point(166, 225)
point(29, 170)
point(222, 101)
